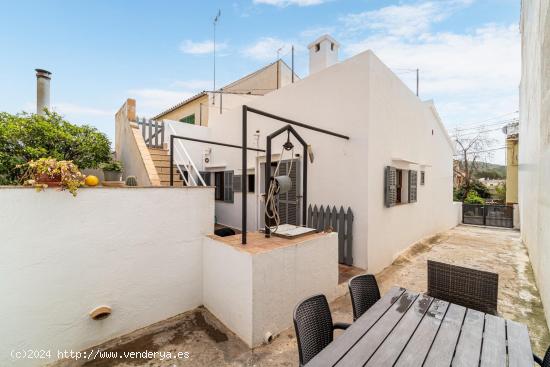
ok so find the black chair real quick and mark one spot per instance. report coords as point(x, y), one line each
point(470, 288)
point(314, 327)
point(364, 293)
point(543, 362)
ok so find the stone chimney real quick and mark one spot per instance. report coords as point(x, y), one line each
point(43, 78)
point(323, 52)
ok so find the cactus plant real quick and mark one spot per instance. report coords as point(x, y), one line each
point(131, 181)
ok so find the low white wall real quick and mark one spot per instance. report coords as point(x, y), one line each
point(227, 286)
point(255, 293)
point(285, 276)
point(63, 256)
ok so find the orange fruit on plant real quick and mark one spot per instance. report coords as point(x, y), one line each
point(91, 180)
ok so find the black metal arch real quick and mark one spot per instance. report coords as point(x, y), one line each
point(290, 129)
point(244, 180)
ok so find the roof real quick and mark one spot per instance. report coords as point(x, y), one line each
point(182, 103)
point(198, 95)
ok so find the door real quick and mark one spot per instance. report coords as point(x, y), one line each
point(288, 204)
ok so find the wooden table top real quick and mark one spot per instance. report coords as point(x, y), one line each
point(405, 328)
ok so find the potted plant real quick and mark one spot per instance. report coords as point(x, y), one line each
point(112, 171)
point(49, 172)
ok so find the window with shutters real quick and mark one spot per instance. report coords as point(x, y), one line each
point(218, 182)
point(398, 185)
point(390, 183)
point(412, 186)
point(228, 187)
point(422, 177)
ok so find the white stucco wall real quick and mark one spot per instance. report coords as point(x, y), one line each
point(403, 130)
point(255, 293)
point(360, 98)
point(534, 143)
point(60, 257)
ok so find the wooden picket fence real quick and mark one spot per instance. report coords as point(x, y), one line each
point(152, 132)
point(338, 221)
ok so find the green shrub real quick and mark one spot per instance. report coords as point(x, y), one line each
point(112, 165)
point(25, 137)
point(474, 198)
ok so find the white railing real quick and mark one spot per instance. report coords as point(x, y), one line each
point(183, 154)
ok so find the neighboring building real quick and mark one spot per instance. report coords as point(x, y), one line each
point(512, 151)
point(395, 172)
point(534, 150)
point(195, 110)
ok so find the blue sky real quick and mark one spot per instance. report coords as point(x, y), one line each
point(159, 52)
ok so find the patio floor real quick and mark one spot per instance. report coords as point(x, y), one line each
point(210, 343)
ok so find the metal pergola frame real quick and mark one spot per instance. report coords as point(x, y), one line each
point(244, 180)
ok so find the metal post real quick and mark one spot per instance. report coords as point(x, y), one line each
point(417, 81)
point(304, 189)
point(267, 181)
point(171, 160)
point(243, 175)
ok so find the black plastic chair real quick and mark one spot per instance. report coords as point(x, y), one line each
point(364, 293)
point(543, 362)
point(314, 326)
point(467, 287)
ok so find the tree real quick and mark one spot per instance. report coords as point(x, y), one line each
point(473, 198)
point(473, 149)
point(501, 192)
point(25, 137)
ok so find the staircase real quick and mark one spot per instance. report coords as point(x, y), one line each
point(161, 159)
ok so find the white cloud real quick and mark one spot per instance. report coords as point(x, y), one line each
point(403, 20)
point(265, 49)
point(285, 3)
point(200, 48)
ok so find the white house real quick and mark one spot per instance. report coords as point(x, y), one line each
point(534, 147)
point(394, 172)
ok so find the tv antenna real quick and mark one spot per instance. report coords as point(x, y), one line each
point(216, 19)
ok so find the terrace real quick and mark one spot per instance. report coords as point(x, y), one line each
point(209, 342)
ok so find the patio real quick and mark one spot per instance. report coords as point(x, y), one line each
point(209, 342)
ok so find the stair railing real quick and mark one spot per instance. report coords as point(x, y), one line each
point(182, 154)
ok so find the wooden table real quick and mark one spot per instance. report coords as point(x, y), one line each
point(405, 328)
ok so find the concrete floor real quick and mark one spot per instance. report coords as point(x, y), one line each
point(210, 343)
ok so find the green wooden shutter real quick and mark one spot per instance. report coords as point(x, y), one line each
point(413, 178)
point(390, 186)
point(228, 187)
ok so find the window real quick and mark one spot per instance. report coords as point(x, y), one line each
point(206, 177)
point(251, 183)
point(422, 177)
point(398, 185)
point(228, 186)
point(332, 46)
point(218, 181)
point(189, 119)
point(317, 47)
point(413, 179)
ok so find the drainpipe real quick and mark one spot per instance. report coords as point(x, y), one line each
point(43, 78)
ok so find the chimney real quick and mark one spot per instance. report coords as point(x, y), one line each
point(323, 52)
point(42, 90)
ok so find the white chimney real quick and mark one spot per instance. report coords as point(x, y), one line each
point(42, 90)
point(323, 52)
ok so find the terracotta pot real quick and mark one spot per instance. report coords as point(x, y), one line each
point(50, 181)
